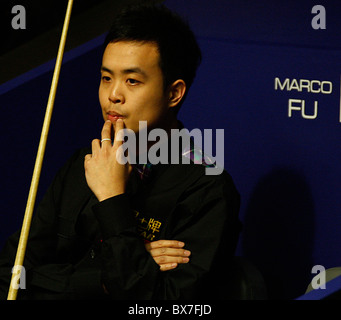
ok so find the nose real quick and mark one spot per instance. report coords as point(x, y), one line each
point(116, 94)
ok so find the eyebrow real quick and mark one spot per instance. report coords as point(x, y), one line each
point(126, 71)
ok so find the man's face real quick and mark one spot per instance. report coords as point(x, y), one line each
point(131, 85)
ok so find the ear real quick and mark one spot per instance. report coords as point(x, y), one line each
point(176, 92)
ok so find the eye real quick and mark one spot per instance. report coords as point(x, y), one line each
point(133, 82)
point(106, 79)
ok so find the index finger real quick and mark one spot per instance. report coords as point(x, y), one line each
point(119, 132)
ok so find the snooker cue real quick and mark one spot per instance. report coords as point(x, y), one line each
point(19, 259)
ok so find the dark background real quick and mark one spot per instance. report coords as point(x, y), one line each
point(286, 168)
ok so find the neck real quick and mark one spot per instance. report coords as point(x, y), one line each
point(144, 138)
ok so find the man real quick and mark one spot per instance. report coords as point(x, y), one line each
point(111, 229)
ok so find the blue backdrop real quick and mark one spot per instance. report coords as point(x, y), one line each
point(260, 81)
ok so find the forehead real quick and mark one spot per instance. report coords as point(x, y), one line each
point(131, 54)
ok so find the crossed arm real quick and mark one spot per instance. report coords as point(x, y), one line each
point(168, 253)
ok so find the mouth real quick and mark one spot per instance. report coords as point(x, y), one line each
point(114, 116)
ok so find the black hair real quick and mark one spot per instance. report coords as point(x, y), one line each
point(180, 54)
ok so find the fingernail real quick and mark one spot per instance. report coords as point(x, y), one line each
point(187, 252)
point(185, 260)
point(181, 244)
